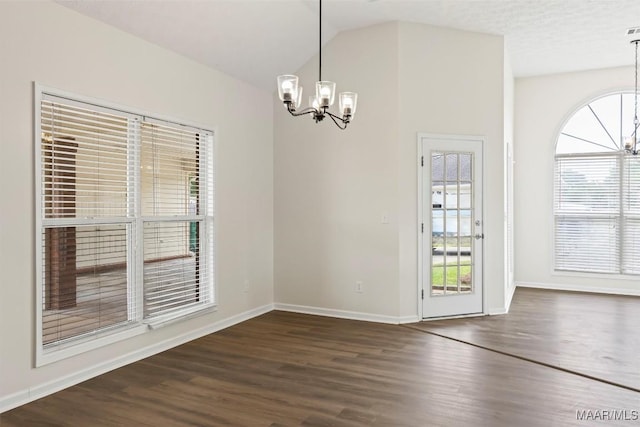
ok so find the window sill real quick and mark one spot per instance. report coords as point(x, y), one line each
point(594, 275)
point(162, 321)
point(88, 343)
point(94, 341)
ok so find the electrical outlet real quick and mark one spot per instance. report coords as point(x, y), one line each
point(359, 287)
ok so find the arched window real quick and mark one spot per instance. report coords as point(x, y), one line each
point(597, 190)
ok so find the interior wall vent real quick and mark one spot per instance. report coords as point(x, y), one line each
point(632, 31)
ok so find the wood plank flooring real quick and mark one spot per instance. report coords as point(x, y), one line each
point(286, 369)
point(592, 334)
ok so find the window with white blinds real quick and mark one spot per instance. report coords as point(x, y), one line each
point(596, 202)
point(124, 219)
point(175, 214)
point(631, 210)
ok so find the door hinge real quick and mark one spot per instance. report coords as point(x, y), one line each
point(422, 161)
point(422, 295)
point(422, 228)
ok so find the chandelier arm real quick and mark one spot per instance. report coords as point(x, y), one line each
point(334, 117)
point(303, 112)
point(299, 113)
point(337, 117)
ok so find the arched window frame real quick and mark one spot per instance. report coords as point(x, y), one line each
point(597, 190)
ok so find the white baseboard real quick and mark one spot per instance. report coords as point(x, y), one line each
point(20, 398)
point(577, 288)
point(496, 311)
point(14, 400)
point(408, 319)
point(344, 314)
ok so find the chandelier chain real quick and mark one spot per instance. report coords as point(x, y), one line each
point(635, 111)
point(320, 47)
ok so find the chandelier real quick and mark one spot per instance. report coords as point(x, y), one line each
point(291, 95)
point(631, 142)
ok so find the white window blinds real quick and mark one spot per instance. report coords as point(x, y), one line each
point(597, 213)
point(85, 161)
point(84, 177)
point(177, 218)
point(587, 204)
point(125, 219)
point(587, 185)
point(631, 209)
point(597, 190)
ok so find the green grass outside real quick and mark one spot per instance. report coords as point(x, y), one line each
point(437, 274)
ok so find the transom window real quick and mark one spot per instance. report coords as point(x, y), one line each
point(597, 190)
point(124, 223)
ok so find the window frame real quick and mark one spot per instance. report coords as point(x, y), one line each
point(620, 216)
point(134, 222)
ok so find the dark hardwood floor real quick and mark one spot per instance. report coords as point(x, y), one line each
point(591, 334)
point(286, 369)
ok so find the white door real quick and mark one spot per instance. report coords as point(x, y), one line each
point(450, 229)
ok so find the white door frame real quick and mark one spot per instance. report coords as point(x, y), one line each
point(420, 169)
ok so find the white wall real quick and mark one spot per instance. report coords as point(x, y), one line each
point(451, 82)
point(52, 45)
point(542, 106)
point(332, 187)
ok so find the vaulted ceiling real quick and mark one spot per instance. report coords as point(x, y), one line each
point(255, 40)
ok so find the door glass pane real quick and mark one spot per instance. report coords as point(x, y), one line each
point(452, 278)
point(437, 194)
point(451, 224)
point(452, 245)
point(437, 228)
point(465, 167)
point(465, 278)
point(437, 167)
point(437, 280)
point(452, 167)
point(464, 195)
point(465, 228)
point(451, 195)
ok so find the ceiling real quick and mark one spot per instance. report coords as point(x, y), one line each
point(256, 40)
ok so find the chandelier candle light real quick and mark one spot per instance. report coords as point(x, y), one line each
point(631, 142)
point(291, 95)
